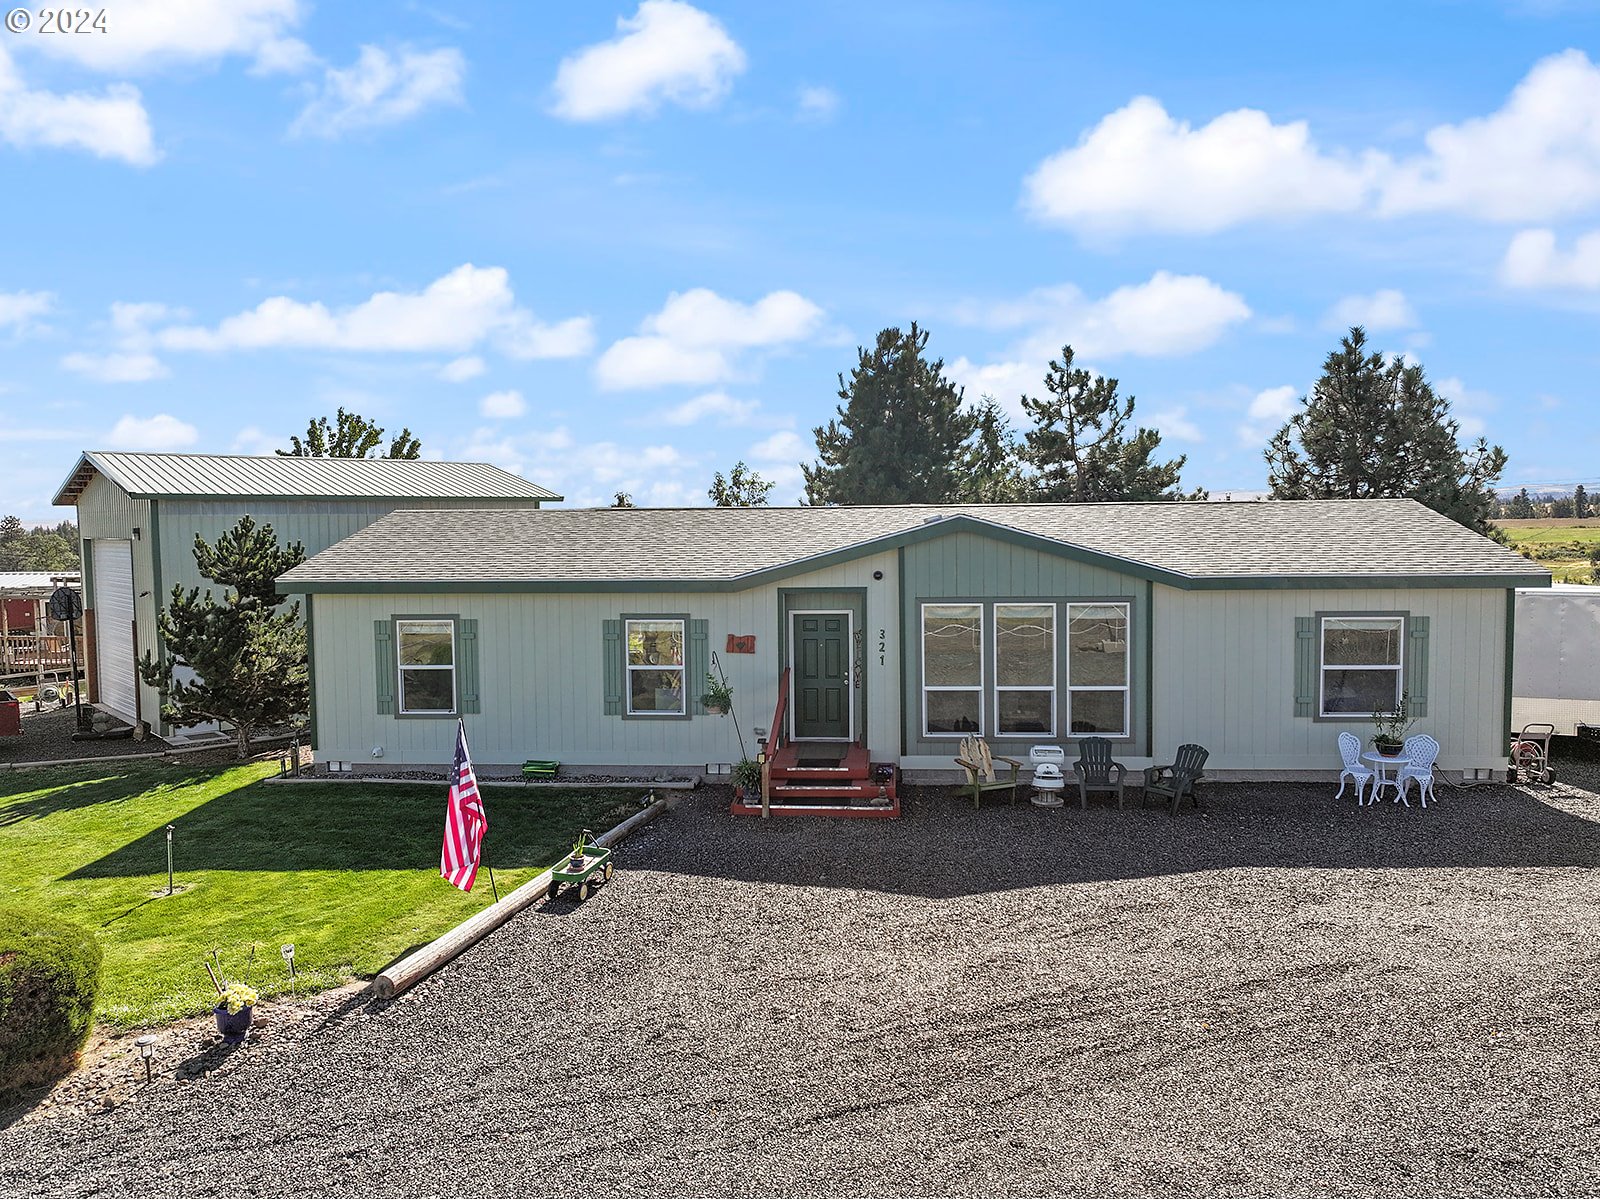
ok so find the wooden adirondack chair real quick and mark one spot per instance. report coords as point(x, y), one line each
point(1096, 771)
point(979, 765)
point(1176, 781)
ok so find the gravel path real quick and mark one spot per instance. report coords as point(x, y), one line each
point(1282, 995)
point(47, 736)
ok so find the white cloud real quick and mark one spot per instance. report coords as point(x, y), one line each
point(501, 406)
point(455, 313)
point(667, 51)
point(381, 89)
point(1172, 423)
point(1534, 260)
point(18, 310)
point(112, 124)
point(725, 408)
point(1268, 411)
point(525, 338)
point(818, 104)
point(785, 446)
point(1142, 168)
point(116, 367)
point(697, 335)
point(1167, 315)
point(160, 432)
point(459, 370)
point(588, 474)
point(252, 440)
point(1468, 406)
point(1536, 157)
point(1384, 309)
point(284, 56)
point(146, 34)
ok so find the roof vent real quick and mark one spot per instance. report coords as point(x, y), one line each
point(932, 519)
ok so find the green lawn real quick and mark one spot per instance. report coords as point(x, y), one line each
point(349, 874)
point(1563, 544)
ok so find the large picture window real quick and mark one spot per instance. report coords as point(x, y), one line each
point(1097, 669)
point(952, 669)
point(1362, 665)
point(655, 668)
point(427, 664)
point(1025, 668)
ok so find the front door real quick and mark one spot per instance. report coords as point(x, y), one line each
point(821, 649)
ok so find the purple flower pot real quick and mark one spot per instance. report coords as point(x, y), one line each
point(234, 1026)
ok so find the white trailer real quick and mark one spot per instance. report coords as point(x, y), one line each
point(1555, 672)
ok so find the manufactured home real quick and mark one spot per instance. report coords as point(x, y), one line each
point(1260, 630)
point(139, 514)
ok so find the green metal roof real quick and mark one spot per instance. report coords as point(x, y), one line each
point(1308, 543)
point(230, 475)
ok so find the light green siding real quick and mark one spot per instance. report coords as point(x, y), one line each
point(1225, 675)
point(542, 678)
point(966, 566)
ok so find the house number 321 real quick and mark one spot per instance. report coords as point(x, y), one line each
point(883, 645)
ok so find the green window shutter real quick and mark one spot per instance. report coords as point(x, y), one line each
point(383, 637)
point(612, 666)
point(467, 668)
point(1417, 667)
point(1305, 666)
point(699, 664)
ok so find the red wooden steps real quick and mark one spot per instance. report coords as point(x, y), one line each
point(845, 789)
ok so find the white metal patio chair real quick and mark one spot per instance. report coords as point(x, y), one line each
point(1350, 751)
point(1420, 753)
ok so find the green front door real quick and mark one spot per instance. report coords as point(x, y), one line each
point(822, 675)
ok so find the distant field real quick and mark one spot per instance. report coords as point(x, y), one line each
point(1561, 543)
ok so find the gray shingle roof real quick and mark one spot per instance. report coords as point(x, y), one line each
point(219, 475)
point(1213, 544)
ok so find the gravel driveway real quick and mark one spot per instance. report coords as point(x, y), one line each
point(1280, 995)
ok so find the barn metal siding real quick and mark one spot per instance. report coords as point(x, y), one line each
point(542, 681)
point(1224, 675)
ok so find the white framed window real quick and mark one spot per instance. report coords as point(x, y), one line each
point(1361, 665)
point(655, 667)
point(1025, 669)
point(952, 670)
point(1098, 667)
point(425, 655)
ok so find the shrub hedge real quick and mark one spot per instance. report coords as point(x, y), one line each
point(49, 974)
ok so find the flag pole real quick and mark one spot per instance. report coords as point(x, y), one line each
point(492, 883)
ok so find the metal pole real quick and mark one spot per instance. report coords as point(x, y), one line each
point(77, 692)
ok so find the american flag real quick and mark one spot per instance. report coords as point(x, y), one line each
point(464, 819)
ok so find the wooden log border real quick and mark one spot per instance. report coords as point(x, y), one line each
point(421, 963)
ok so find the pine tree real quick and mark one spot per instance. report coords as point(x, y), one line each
point(899, 435)
point(1078, 446)
point(1375, 427)
point(622, 500)
point(992, 470)
point(1580, 502)
point(742, 488)
point(1521, 506)
point(248, 658)
point(350, 436)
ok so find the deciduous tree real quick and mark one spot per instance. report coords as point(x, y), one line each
point(243, 661)
point(349, 435)
point(1373, 426)
point(742, 488)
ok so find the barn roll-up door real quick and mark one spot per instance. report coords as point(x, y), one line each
point(113, 627)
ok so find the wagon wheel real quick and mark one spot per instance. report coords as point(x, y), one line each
point(555, 888)
point(608, 873)
point(583, 890)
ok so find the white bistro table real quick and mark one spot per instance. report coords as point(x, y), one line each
point(1385, 771)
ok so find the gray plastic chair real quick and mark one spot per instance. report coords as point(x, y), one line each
point(1177, 780)
point(1097, 771)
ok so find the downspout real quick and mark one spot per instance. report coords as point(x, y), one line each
point(1511, 640)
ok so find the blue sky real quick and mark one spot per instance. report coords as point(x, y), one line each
point(622, 247)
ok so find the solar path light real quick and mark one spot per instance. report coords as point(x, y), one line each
point(147, 1051)
point(169, 859)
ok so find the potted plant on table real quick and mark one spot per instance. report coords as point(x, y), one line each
point(1389, 736)
point(235, 1009)
point(718, 696)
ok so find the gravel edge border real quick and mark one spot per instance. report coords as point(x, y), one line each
point(421, 963)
